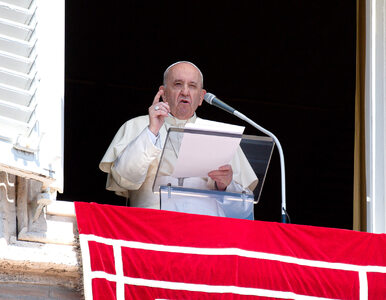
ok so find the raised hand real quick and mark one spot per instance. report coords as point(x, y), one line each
point(157, 113)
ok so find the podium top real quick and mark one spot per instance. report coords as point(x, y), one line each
point(189, 154)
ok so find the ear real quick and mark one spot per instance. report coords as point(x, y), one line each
point(203, 92)
point(162, 88)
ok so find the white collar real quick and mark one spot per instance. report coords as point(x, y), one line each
point(173, 121)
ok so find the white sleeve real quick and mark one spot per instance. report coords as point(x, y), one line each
point(234, 187)
point(130, 168)
point(154, 138)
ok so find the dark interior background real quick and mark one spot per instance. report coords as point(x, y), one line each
point(288, 65)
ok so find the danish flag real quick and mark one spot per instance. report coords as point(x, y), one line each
point(136, 253)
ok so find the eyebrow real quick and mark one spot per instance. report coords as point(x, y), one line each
point(190, 82)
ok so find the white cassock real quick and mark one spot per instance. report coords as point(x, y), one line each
point(132, 159)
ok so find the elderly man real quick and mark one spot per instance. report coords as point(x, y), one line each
point(132, 158)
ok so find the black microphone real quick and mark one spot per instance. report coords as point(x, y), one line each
point(213, 100)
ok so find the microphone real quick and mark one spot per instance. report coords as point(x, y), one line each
point(213, 100)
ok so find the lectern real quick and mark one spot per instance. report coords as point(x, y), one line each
point(188, 155)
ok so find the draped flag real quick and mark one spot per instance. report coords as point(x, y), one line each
point(135, 253)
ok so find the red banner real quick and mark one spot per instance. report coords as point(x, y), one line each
point(134, 253)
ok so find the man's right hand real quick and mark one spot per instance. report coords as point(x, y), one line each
point(157, 113)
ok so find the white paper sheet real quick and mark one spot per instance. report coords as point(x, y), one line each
point(199, 153)
point(208, 125)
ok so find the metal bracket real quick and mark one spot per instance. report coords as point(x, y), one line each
point(44, 199)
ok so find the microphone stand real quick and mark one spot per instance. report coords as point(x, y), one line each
point(282, 168)
point(213, 100)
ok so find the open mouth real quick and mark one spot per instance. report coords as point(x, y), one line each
point(184, 101)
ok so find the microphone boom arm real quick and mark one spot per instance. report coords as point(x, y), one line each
point(282, 167)
point(213, 100)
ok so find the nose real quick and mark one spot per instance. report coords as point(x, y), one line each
point(185, 89)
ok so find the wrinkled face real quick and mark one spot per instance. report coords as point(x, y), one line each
point(183, 90)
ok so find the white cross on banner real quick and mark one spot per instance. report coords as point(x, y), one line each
point(136, 253)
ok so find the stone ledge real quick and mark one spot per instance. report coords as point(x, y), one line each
point(61, 208)
point(15, 290)
point(41, 263)
point(56, 226)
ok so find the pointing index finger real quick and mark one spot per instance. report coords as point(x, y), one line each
point(157, 96)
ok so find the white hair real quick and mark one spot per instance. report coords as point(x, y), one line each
point(185, 62)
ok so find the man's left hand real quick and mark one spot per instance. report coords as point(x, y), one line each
point(223, 177)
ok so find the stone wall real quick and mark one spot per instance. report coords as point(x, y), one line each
point(39, 254)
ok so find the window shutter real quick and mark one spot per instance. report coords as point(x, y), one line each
point(32, 89)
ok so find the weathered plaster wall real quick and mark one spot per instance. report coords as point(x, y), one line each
point(39, 256)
